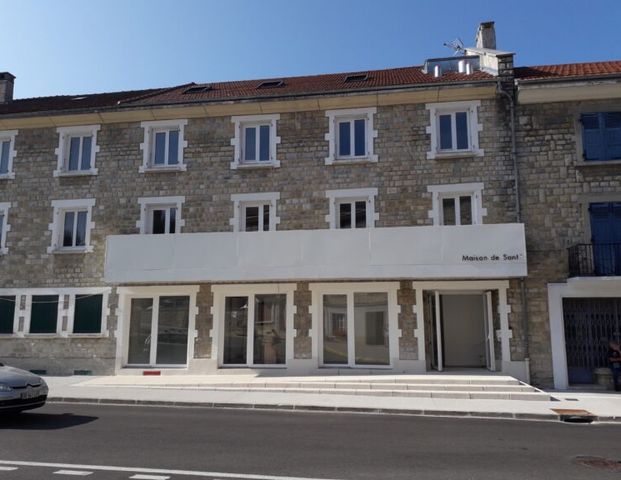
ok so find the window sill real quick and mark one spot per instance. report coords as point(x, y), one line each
point(7, 176)
point(598, 163)
point(252, 166)
point(350, 161)
point(77, 173)
point(167, 168)
point(41, 335)
point(453, 155)
point(67, 250)
point(87, 335)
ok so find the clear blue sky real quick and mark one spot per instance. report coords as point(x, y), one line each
point(86, 46)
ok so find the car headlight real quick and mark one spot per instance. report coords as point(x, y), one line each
point(4, 388)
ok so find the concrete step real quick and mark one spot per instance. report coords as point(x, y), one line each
point(455, 394)
point(368, 386)
point(420, 379)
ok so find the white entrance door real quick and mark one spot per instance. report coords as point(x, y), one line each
point(461, 326)
point(490, 353)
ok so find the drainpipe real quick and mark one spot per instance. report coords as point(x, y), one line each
point(518, 217)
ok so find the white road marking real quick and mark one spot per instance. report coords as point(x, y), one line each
point(155, 471)
point(78, 473)
point(7, 469)
point(139, 476)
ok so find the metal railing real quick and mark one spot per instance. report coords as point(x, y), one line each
point(595, 260)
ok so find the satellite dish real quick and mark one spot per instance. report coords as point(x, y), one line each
point(457, 46)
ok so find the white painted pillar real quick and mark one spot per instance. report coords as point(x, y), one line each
point(419, 331)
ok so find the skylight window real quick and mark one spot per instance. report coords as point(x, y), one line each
point(271, 84)
point(198, 89)
point(358, 77)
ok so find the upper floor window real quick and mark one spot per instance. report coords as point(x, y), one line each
point(255, 212)
point(454, 129)
point(163, 145)
point(72, 225)
point(353, 208)
point(7, 153)
point(255, 141)
point(350, 135)
point(77, 149)
point(4, 226)
point(601, 136)
point(160, 215)
point(457, 204)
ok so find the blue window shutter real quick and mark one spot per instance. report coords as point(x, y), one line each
point(612, 135)
point(592, 138)
point(601, 231)
point(616, 222)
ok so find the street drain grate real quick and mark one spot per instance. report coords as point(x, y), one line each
point(599, 462)
point(574, 415)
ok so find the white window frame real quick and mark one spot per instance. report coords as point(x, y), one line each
point(242, 121)
point(62, 151)
point(455, 190)
point(220, 292)
point(123, 315)
point(105, 311)
point(148, 204)
point(148, 145)
point(9, 135)
point(65, 317)
point(17, 313)
point(337, 116)
point(243, 200)
point(336, 197)
point(58, 224)
point(474, 127)
point(4, 226)
point(318, 290)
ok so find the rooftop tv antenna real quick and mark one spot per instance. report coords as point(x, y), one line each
point(457, 46)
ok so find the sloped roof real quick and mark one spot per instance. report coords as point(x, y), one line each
point(305, 85)
point(73, 102)
point(569, 70)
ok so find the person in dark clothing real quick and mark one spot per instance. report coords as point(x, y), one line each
point(614, 358)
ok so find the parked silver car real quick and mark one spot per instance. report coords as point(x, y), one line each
point(20, 390)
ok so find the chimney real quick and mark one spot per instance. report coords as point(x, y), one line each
point(486, 36)
point(6, 87)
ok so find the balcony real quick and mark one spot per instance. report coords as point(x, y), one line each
point(595, 260)
point(438, 252)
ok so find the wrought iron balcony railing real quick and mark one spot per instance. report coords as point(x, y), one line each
point(595, 260)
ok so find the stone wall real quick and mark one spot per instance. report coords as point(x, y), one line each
point(401, 176)
point(556, 190)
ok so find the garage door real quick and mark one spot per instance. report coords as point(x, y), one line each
point(590, 323)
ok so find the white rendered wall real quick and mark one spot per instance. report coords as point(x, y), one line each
point(439, 252)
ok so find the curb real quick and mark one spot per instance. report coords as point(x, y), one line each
point(316, 408)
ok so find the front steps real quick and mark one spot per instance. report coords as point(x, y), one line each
point(409, 386)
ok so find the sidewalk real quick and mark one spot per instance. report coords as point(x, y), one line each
point(198, 391)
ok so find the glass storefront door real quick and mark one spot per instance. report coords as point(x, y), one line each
point(255, 330)
point(158, 331)
point(355, 329)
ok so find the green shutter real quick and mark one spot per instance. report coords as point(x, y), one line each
point(87, 318)
point(44, 314)
point(7, 314)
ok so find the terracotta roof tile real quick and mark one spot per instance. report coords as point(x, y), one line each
point(569, 70)
point(73, 102)
point(303, 85)
point(316, 84)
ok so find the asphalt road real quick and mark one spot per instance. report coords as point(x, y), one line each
point(96, 441)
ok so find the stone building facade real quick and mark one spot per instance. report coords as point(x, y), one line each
point(364, 221)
